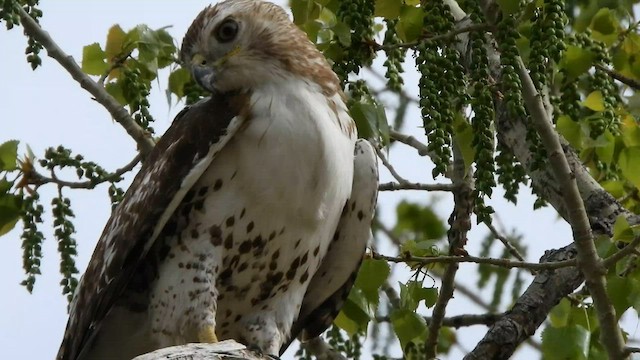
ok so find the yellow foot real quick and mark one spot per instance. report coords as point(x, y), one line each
point(207, 335)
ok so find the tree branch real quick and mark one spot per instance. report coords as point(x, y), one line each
point(459, 321)
point(507, 244)
point(632, 83)
point(391, 186)
point(505, 263)
point(119, 114)
point(38, 179)
point(589, 262)
point(423, 150)
point(460, 224)
point(449, 35)
point(224, 350)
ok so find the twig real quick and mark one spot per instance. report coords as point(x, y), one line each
point(117, 63)
point(449, 35)
point(423, 150)
point(512, 249)
point(460, 224)
point(391, 186)
point(627, 250)
point(632, 83)
point(629, 350)
point(589, 263)
point(36, 178)
point(459, 321)
point(505, 263)
point(390, 167)
point(119, 114)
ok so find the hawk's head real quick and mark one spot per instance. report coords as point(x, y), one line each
point(241, 44)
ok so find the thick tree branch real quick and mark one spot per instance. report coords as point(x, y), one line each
point(589, 261)
point(224, 350)
point(119, 114)
point(530, 310)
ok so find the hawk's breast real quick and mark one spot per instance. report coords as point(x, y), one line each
point(256, 225)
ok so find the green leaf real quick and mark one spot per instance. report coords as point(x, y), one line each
point(594, 101)
point(389, 9)
point(115, 90)
point(343, 33)
point(177, 80)
point(622, 230)
point(345, 323)
point(559, 315)
point(623, 293)
point(356, 313)
point(419, 219)
point(420, 248)
point(409, 25)
point(630, 131)
point(371, 120)
point(373, 273)
point(413, 293)
point(9, 155)
point(408, 326)
point(10, 210)
point(628, 163)
point(115, 43)
point(605, 26)
point(463, 132)
point(93, 60)
point(576, 61)
point(606, 150)
point(614, 187)
point(509, 6)
point(570, 130)
point(569, 342)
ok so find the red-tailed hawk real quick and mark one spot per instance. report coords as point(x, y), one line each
point(249, 219)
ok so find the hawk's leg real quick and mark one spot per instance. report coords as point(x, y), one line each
point(184, 299)
point(262, 332)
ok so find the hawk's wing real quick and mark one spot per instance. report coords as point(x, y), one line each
point(183, 153)
point(332, 282)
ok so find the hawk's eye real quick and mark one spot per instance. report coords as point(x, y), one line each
point(227, 31)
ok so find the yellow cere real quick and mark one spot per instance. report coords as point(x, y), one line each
point(198, 59)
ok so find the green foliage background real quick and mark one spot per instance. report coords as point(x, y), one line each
point(584, 56)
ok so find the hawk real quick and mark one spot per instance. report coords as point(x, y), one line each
point(249, 219)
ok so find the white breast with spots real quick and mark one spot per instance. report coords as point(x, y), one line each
point(262, 218)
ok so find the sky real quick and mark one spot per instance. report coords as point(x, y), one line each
point(46, 107)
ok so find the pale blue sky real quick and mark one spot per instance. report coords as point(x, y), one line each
point(46, 108)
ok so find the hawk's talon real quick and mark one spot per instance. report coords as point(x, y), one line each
point(256, 349)
point(207, 335)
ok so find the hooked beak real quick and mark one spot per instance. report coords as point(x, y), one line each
point(205, 76)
